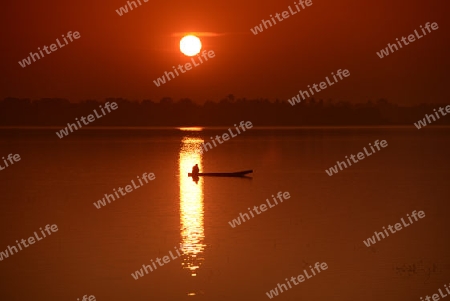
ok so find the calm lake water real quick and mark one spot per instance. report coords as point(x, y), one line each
point(325, 220)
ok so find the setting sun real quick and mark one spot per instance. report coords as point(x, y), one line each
point(190, 45)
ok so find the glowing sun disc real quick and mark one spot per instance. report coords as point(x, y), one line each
point(190, 45)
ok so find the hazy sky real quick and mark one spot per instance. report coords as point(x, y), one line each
point(120, 56)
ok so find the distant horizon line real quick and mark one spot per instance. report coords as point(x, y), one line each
point(217, 101)
point(201, 128)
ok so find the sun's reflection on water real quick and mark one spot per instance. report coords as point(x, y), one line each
point(191, 206)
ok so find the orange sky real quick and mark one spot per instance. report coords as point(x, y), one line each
point(121, 56)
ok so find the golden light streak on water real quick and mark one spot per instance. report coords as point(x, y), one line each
point(191, 206)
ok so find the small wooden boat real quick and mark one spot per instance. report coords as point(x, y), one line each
point(222, 174)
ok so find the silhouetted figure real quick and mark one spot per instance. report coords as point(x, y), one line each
point(195, 170)
point(196, 179)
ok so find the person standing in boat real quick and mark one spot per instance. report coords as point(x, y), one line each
point(195, 170)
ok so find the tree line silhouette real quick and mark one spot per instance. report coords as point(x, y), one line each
point(226, 112)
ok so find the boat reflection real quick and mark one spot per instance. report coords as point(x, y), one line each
point(191, 206)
